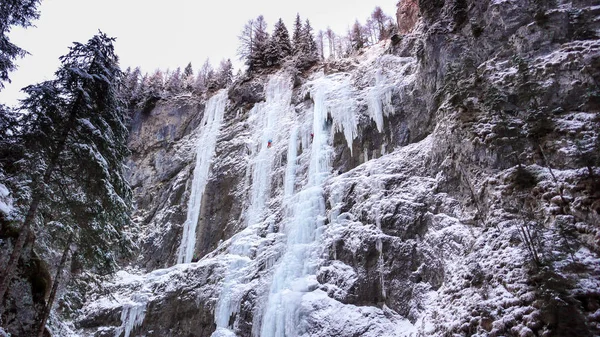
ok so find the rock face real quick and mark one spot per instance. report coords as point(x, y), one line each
point(445, 184)
point(407, 15)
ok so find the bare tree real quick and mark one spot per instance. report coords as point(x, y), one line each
point(331, 40)
point(320, 47)
point(381, 21)
point(246, 38)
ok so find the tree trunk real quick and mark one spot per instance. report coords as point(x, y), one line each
point(35, 201)
point(48, 307)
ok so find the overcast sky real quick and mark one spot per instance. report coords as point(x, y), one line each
point(164, 34)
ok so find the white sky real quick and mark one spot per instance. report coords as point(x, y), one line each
point(164, 33)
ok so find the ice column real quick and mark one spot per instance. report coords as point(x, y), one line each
point(132, 315)
point(205, 150)
point(269, 119)
point(292, 276)
point(380, 100)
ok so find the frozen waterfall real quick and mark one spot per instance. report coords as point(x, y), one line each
point(294, 273)
point(207, 140)
point(271, 122)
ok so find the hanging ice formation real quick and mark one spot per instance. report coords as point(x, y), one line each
point(270, 120)
point(292, 277)
point(210, 126)
point(133, 314)
point(334, 109)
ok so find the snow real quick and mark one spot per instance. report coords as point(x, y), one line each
point(283, 260)
point(5, 200)
point(205, 150)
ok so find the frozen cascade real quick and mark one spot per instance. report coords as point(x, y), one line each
point(342, 106)
point(210, 126)
point(132, 315)
point(292, 156)
point(272, 121)
point(380, 100)
point(268, 119)
point(294, 273)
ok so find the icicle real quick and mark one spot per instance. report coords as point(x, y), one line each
point(210, 126)
point(379, 247)
point(290, 171)
point(132, 315)
point(268, 120)
point(380, 101)
point(292, 274)
point(268, 116)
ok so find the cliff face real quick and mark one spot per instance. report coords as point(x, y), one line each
point(446, 183)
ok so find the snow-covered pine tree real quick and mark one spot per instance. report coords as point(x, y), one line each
point(174, 82)
point(260, 40)
point(155, 86)
point(18, 13)
point(279, 46)
point(75, 129)
point(130, 86)
point(297, 36)
point(356, 36)
point(307, 49)
point(205, 75)
point(224, 75)
point(188, 78)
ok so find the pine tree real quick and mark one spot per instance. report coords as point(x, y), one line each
point(188, 71)
point(205, 76)
point(356, 36)
point(75, 129)
point(130, 86)
point(18, 13)
point(155, 86)
point(279, 46)
point(188, 78)
point(297, 37)
point(224, 75)
point(174, 82)
point(307, 51)
point(260, 40)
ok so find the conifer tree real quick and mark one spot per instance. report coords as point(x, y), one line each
point(224, 75)
point(205, 75)
point(357, 37)
point(188, 78)
point(297, 37)
point(256, 58)
point(74, 128)
point(18, 13)
point(279, 46)
point(307, 48)
point(174, 82)
point(130, 86)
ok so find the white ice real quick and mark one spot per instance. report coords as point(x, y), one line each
point(207, 140)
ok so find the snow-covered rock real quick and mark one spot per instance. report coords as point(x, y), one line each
point(441, 184)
